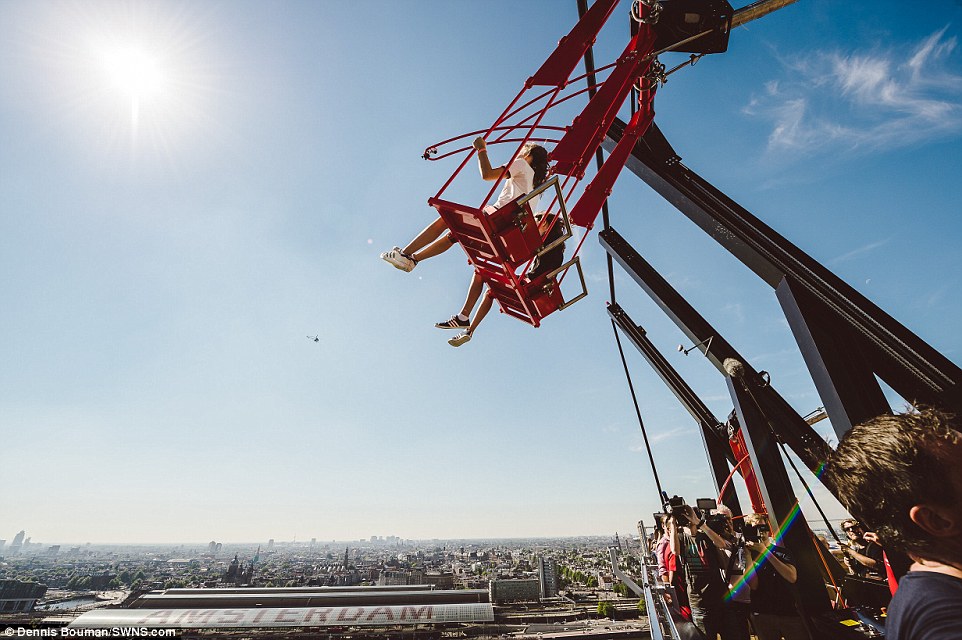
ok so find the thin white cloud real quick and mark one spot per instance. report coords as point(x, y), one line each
point(854, 253)
point(861, 101)
point(662, 436)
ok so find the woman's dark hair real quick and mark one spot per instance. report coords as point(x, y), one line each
point(539, 162)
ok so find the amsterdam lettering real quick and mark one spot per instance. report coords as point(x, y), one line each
point(288, 617)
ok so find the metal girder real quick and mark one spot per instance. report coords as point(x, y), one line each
point(909, 365)
point(571, 49)
point(841, 372)
point(788, 524)
point(794, 431)
point(759, 408)
point(714, 434)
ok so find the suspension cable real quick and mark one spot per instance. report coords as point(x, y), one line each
point(808, 490)
point(771, 428)
point(641, 423)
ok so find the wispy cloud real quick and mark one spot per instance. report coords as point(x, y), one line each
point(854, 253)
point(863, 101)
point(662, 436)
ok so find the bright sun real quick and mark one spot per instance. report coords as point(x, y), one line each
point(133, 80)
point(134, 71)
point(136, 74)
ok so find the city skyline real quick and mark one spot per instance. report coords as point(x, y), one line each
point(191, 193)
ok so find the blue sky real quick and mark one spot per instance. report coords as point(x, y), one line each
point(162, 265)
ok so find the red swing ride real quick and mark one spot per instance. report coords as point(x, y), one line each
point(500, 242)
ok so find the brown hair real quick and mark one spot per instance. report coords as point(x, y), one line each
point(539, 162)
point(884, 467)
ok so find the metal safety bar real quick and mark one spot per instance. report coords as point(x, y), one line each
point(576, 261)
point(568, 232)
point(660, 621)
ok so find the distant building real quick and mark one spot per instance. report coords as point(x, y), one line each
point(388, 578)
point(438, 580)
point(17, 543)
point(232, 570)
point(53, 550)
point(523, 590)
point(237, 575)
point(548, 577)
point(17, 596)
point(102, 581)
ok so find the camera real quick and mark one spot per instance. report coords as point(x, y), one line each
point(675, 507)
point(752, 533)
point(706, 504)
point(717, 521)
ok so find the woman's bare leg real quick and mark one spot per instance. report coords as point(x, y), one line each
point(431, 233)
point(483, 309)
point(474, 292)
point(436, 248)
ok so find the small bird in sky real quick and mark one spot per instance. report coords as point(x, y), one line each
point(314, 338)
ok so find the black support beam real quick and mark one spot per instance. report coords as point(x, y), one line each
point(789, 524)
point(796, 433)
point(842, 374)
point(759, 408)
point(714, 434)
point(909, 365)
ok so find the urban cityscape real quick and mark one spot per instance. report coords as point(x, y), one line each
point(536, 586)
point(214, 340)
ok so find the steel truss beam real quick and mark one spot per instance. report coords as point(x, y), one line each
point(796, 433)
point(714, 434)
point(821, 308)
point(759, 408)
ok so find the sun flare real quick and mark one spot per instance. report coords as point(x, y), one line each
point(135, 82)
point(136, 74)
point(134, 71)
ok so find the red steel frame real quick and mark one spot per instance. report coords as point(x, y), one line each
point(479, 238)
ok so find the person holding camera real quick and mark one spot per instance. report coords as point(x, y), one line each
point(863, 554)
point(668, 570)
point(736, 604)
point(774, 615)
point(698, 557)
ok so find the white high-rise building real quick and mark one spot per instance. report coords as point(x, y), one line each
point(548, 576)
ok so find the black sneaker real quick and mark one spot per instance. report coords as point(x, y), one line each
point(454, 323)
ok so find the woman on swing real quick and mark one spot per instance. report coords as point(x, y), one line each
point(524, 174)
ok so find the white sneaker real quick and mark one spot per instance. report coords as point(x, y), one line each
point(459, 339)
point(399, 260)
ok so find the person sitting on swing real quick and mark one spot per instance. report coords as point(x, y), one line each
point(545, 263)
point(524, 174)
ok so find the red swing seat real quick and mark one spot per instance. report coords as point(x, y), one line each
point(500, 242)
